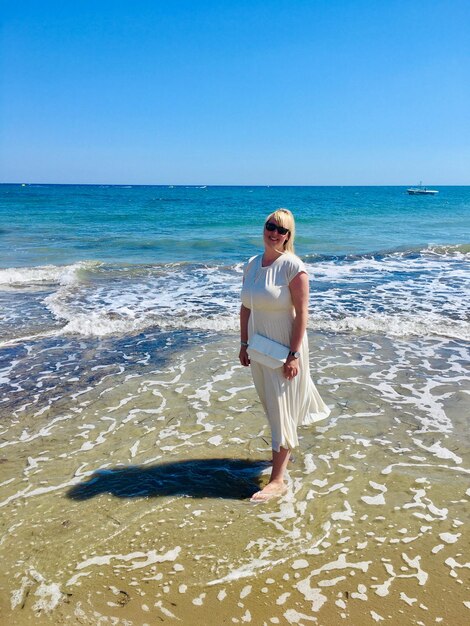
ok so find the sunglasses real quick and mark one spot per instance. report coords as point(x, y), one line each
point(280, 229)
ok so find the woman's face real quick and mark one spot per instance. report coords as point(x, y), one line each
point(273, 239)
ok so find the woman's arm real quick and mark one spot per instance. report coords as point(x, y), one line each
point(299, 294)
point(244, 317)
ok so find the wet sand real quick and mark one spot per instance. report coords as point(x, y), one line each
point(125, 488)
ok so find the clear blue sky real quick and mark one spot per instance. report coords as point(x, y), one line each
point(317, 92)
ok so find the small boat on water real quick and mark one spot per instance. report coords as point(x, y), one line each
point(421, 191)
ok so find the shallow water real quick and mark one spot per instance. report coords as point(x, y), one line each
point(131, 439)
point(417, 292)
point(125, 489)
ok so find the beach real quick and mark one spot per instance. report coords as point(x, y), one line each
point(132, 439)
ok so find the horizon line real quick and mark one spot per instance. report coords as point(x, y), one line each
point(205, 185)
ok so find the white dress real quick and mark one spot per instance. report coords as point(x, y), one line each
point(287, 403)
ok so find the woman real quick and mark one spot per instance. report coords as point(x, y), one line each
point(275, 304)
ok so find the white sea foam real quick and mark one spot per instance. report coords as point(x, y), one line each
point(395, 325)
point(376, 617)
point(287, 528)
point(449, 537)
point(311, 594)
point(104, 323)
point(439, 451)
point(295, 617)
point(138, 559)
point(48, 595)
point(216, 440)
point(171, 297)
point(347, 515)
point(41, 275)
point(18, 595)
point(377, 499)
point(396, 294)
point(164, 610)
point(282, 598)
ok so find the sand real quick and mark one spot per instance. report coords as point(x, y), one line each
point(125, 493)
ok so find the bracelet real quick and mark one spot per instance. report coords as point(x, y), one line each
point(244, 343)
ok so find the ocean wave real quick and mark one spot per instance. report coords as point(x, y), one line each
point(102, 325)
point(454, 250)
point(370, 266)
point(49, 275)
point(179, 297)
point(400, 293)
point(396, 326)
point(374, 259)
point(321, 266)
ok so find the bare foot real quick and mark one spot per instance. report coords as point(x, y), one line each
point(272, 490)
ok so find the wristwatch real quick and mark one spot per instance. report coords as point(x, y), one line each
point(296, 355)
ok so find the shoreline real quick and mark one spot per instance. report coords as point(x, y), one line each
point(105, 492)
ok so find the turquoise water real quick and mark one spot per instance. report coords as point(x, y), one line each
point(118, 357)
point(61, 224)
point(96, 261)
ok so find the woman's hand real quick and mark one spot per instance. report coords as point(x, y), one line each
point(243, 356)
point(291, 368)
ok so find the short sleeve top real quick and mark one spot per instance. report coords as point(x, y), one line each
point(267, 288)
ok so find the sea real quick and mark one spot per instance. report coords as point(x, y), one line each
point(131, 438)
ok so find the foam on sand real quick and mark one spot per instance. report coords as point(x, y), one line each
point(174, 449)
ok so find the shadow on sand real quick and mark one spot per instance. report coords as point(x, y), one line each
point(232, 479)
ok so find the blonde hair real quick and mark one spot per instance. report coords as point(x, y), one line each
point(285, 218)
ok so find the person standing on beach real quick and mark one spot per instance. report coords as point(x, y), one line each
point(275, 305)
